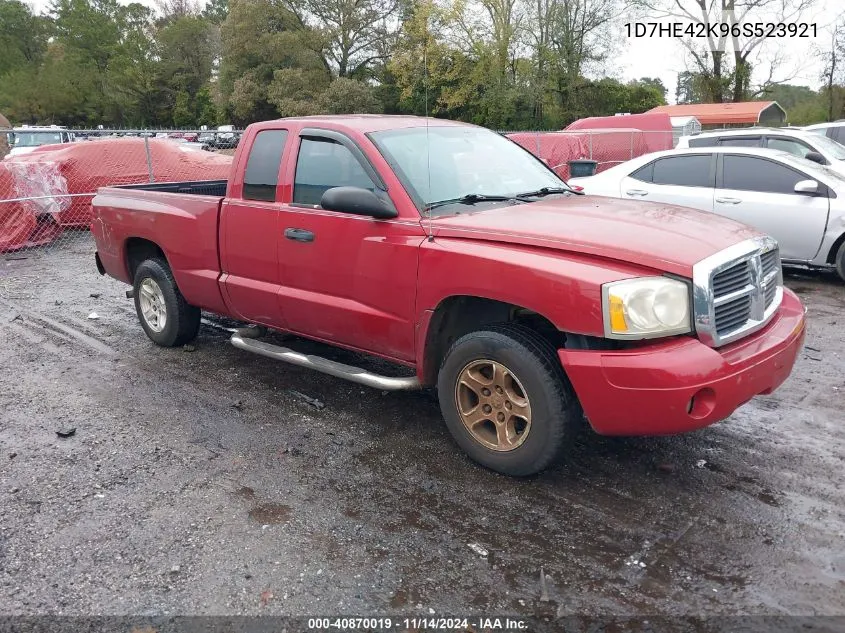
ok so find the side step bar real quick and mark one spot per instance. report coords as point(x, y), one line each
point(244, 339)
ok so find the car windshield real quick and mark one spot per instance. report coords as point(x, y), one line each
point(831, 147)
point(34, 139)
point(467, 163)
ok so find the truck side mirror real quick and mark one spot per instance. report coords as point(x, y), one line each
point(816, 158)
point(809, 187)
point(357, 201)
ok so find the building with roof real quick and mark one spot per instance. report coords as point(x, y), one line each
point(720, 115)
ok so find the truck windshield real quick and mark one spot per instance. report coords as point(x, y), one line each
point(35, 139)
point(455, 164)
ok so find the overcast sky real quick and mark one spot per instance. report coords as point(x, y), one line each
point(664, 57)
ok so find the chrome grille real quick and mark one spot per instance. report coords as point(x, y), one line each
point(737, 291)
point(734, 278)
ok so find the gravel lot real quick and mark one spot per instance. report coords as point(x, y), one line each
point(212, 481)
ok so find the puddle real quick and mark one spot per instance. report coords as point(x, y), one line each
point(245, 492)
point(270, 513)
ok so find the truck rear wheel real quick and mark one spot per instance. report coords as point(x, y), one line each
point(506, 399)
point(166, 317)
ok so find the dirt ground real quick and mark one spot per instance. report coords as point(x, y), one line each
point(211, 481)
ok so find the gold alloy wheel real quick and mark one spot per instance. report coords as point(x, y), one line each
point(493, 405)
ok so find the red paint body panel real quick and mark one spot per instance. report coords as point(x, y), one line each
point(184, 226)
point(659, 236)
point(374, 285)
point(647, 391)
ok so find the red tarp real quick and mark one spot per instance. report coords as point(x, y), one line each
point(607, 147)
point(611, 147)
point(83, 168)
point(555, 148)
point(656, 126)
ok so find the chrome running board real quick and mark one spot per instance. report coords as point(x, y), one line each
point(245, 339)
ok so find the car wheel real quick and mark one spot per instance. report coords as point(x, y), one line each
point(840, 261)
point(166, 317)
point(506, 400)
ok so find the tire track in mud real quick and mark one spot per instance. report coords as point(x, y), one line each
point(20, 317)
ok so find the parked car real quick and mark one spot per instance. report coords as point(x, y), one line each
point(452, 252)
point(207, 139)
point(798, 202)
point(834, 130)
point(798, 142)
point(27, 137)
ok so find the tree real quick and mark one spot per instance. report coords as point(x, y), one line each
point(353, 32)
point(834, 66)
point(23, 36)
point(260, 37)
point(216, 11)
point(348, 96)
point(183, 116)
point(187, 53)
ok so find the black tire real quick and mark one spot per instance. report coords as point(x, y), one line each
point(182, 321)
point(840, 262)
point(534, 363)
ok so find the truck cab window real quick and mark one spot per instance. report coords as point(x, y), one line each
point(262, 168)
point(322, 165)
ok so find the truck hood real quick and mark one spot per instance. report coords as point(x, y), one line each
point(660, 236)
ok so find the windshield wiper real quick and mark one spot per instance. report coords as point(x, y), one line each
point(470, 198)
point(545, 191)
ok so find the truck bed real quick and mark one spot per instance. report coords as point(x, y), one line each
point(193, 187)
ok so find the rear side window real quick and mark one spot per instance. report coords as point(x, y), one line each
point(747, 173)
point(683, 171)
point(262, 167)
point(837, 133)
point(644, 173)
point(756, 141)
point(322, 165)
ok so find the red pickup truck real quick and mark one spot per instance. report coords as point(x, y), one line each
point(449, 250)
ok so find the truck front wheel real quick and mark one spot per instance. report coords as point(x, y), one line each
point(166, 317)
point(506, 399)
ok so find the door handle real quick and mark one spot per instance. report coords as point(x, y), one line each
point(728, 200)
point(299, 235)
point(636, 192)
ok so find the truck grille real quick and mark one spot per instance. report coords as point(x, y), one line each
point(737, 291)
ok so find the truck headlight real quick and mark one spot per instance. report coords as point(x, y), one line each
point(645, 307)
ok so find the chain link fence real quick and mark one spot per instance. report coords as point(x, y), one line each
point(49, 178)
point(46, 189)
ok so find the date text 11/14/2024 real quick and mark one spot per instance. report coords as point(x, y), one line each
point(474, 624)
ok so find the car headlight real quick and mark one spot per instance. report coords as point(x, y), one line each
point(645, 307)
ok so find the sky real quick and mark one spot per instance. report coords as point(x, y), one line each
point(664, 57)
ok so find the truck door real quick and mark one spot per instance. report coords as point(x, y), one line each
point(345, 278)
point(249, 233)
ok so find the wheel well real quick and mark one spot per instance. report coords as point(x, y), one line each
point(831, 256)
point(139, 250)
point(456, 316)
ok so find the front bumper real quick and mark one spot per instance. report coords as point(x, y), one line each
point(681, 384)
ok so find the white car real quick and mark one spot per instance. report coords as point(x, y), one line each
point(834, 130)
point(26, 138)
point(798, 202)
point(800, 142)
